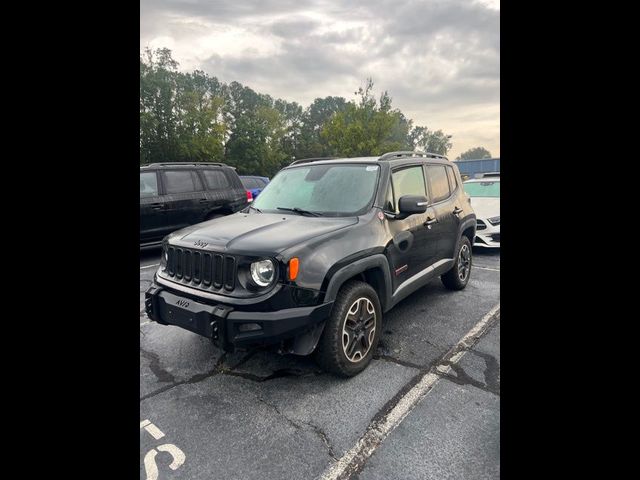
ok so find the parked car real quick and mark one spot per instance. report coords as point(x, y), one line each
point(484, 195)
point(254, 184)
point(314, 262)
point(176, 195)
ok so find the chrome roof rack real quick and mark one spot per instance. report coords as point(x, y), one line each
point(309, 160)
point(197, 164)
point(408, 153)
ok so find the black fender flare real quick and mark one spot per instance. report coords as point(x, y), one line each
point(466, 224)
point(377, 260)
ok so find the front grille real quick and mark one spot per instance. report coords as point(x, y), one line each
point(495, 237)
point(204, 270)
point(480, 225)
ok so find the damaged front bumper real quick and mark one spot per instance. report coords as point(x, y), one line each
point(231, 328)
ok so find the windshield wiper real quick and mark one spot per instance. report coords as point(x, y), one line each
point(300, 211)
point(256, 209)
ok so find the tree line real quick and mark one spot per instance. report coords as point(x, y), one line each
point(196, 118)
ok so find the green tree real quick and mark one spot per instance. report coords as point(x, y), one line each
point(158, 137)
point(474, 153)
point(367, 127)
point(310, 142)
point(194, 117)
point(200, 122)
point(181, 115)
point(421, 138)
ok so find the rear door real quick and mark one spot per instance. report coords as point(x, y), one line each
point(218, 190)
point(445, 204)
point(153, 215)
point(185, 197)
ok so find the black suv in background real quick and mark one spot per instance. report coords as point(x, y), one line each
point(315, 260)
point(176, 195)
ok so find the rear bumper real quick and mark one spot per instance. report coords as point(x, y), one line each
point(223, 323)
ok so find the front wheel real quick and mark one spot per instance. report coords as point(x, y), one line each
point(352, 332)
point(458, 277)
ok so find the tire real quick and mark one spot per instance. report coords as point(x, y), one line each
point(458, 276)
point(355, 302)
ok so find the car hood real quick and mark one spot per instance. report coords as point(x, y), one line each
point(486, 207)
point(257, 233)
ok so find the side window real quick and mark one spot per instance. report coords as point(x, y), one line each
point(408, 181)
point(453, 182)
point(216, 179)
point(148, 184)
point(181, 181)
point(439, 182)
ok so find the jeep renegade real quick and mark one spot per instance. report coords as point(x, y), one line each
point(320, 255)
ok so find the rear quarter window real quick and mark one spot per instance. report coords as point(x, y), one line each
point(215, 179)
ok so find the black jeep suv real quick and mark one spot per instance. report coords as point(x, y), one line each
point(176, 195)
point(327, 247)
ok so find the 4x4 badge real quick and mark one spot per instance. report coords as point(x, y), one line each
point(200, 243)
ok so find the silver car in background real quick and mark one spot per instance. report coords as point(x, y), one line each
point(485, 200)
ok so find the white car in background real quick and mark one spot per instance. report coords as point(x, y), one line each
point(485, 200)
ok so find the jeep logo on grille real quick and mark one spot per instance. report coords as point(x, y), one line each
point(182, 303)
point(200, 243)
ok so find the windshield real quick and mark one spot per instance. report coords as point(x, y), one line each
point(482, 189)
point(330, 190)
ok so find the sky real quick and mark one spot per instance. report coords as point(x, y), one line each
point(438, 59)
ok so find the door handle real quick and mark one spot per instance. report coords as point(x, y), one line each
point(457, 211)
point(158, 206)
point(430, 221)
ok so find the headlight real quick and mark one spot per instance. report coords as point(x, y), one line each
point(494, 220)
point(263, 272)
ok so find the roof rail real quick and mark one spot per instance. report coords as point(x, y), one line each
point(309, 160)
point(408, 153)
point(162, 164)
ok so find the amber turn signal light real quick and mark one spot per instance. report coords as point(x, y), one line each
point(294, 264)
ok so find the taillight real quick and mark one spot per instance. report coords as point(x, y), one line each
point(249, 196)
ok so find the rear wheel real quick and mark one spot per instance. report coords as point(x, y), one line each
point(458, 277)
point(352, 332)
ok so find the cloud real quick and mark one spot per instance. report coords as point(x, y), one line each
point(439, 59)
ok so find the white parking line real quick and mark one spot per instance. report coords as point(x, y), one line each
point(486, 268)
point(149, 266)
point(380, 429)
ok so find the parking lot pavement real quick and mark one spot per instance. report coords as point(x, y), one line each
point(455, 432)
point(207, 414)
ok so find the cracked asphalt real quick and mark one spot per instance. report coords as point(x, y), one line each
point(261, 415)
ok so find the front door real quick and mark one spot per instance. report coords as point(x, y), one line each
point(414, 246)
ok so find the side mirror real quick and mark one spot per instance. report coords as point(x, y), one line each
point(410, 204)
